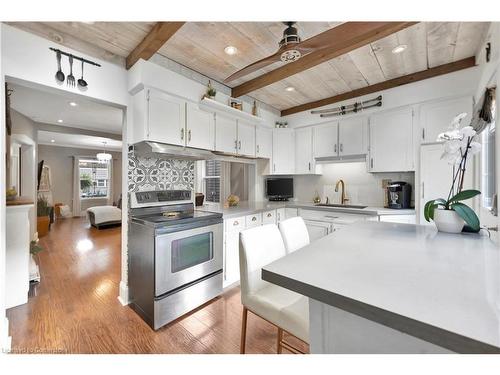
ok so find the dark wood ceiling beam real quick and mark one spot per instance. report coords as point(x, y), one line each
point(410, 78)
point(348, 37)
point(156, 38)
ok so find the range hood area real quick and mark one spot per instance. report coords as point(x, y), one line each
point(173, 151)
point(184, 153)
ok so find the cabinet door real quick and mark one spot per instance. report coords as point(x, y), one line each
point(166, 118)
point(304, 162)
point(325, 142)
point(436, 177)
point(263, 143)
point(225, 134)
point(283, 151)
point(391, 141)
point(200, 126)
point(435, 117)
point(353, 134)
point(231, 258)
point(317, 229)
point(246, 139)
point(291, 212)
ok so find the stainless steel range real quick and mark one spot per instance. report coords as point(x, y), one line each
point(175, 255)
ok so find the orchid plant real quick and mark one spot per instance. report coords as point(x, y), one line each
point(459, 144)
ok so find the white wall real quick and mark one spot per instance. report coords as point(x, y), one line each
point(361, 187)
point(27, 57)
point(455, 84)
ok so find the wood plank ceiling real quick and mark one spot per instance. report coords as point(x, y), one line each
point(200, 46)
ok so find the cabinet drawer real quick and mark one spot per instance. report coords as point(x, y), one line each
point(269, 217)
point(235, 224)
point(253, 220)
point(331, 216)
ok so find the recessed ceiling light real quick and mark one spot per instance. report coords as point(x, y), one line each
point(399, 49)
point(73, 104)
point(231, 50)
point(290, 88)
point(52, 140)
point(59, 121)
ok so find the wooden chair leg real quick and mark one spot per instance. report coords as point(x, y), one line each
point(280, 339)
point(243, 330)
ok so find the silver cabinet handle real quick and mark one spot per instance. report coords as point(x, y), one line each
point(371, 162)
point(274, 167)
point(254, 218)
point(235, 222)
point(423, 190)
point(269, 215)
point(341, 147)
point(235, 144)
point(335, 148)
point(239, 145)
point(309, 166)
point(258, 149)
point(189, 135)
point(423, 134)
point(182, 134)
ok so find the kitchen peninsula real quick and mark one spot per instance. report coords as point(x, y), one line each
point(397, 288)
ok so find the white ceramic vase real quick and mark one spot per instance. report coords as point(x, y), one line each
point(448, 221)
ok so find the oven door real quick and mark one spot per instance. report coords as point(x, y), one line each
point(186, 256)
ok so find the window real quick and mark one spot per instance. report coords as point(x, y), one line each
point(212, 181)
point(488, 177)
point(94, 177)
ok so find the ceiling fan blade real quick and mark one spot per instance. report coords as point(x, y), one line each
point(320, 41)
point(254, 66)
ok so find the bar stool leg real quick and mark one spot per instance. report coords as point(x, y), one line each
point(243, 330)
point(280, 339)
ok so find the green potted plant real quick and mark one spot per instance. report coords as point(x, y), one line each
point(451, 215)
point(211, 91)
point(42, 213)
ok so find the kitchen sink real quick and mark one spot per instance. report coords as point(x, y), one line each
point(340, 205)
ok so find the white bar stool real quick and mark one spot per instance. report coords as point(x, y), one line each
point(294, 233)
point(287, 310)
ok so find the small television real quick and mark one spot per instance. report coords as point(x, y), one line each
point(279, 189)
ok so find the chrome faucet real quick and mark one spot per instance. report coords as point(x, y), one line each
point(343, 198)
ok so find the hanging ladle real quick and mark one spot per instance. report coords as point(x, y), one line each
point(59, 75)
point(81, 82)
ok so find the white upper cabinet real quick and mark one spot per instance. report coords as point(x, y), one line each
point(353, 136)
point(159, 117)
point(325, 142)
point(436, 117)
point(246, 139)
point(263, 142)
point(283, 161)
point(304, 161)
point(391, 141)
point(226, 134)
point(200, 128)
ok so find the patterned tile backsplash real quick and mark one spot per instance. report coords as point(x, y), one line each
point(156, 172)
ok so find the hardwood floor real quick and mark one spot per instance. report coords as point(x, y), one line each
point(75, 307)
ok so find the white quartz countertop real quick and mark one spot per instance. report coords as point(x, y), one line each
point(442, 288)
point(248, 208)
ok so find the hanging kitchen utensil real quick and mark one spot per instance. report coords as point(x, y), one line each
point(71, 78)
point(81, 82)
point(59, 75)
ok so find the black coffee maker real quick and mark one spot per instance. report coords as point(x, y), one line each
point(399, 194)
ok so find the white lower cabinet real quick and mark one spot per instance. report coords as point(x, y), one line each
point(280, 215)
point(317, 229)
point(269, 217)
point(231, 264)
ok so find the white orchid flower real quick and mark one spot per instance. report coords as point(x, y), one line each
point(467, 131)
